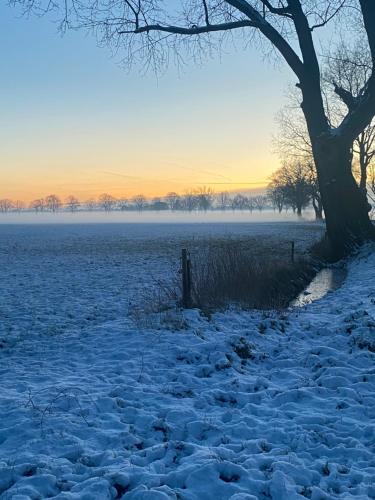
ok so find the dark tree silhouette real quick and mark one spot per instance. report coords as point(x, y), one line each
point(223, 200)
point(90, 204)
point(52, 202)
point(6, 205)
point(107, 202)
point(292, 183)
point(19, 205)
point(139, 201)
point(173, 200)
point(204, 198)
point(38, 205)
point(148, 29)
point(72, 203)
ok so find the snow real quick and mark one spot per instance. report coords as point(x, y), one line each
point(241, 406)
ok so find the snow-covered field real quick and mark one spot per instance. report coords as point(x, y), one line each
point(96, 405)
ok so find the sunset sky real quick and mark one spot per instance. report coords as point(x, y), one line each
point(74, 122)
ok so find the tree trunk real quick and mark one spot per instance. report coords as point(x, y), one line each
point(318, 209)
point(346, 211)
point(363, 168)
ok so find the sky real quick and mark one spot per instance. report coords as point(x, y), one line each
point(73, 121)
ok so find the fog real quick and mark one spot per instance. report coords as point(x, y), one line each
point(148, 217)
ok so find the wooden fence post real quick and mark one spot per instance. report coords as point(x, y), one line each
point(292, 252)
point(186, 278)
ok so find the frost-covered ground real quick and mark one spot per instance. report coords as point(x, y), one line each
point(94, 405)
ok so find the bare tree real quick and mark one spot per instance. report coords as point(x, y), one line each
point(173, 200)
point(240, 202)
point(292, 182)
point(189, 200)
point(19, 205)
point(276, 196)
point(107, 202)
point(204, 198)
point(123, 203)
point(371, 182)
point(346, 69)
point(149, 29)
point(52, 202)
point(260, 202)
point(38, 205)
point(5, 205)
point(316, 198)
point(90, 204)
point(72, 203)
point(139, 201)
point(346, 74)
point(223, 200)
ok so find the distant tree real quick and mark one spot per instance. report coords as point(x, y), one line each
point(19, 205)
point(107, 202)
point(52, 202)
point(5, 205)
point(139, 201)
point(276, 195)
point(189, 200)
point(316, 198)
point(173, 200)
point(158, 204)
point(223, 200)
point(294, 181)
point(204, 198)
point(38, 205)
point(260, 202)
point(250, 203)
point(123, 204)
point(90, 204)
point(239, 202)
point(72, 203)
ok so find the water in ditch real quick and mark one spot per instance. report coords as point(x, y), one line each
point(327, 280)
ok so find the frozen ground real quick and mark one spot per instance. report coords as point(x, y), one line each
point(242, 406)
point(54, 278)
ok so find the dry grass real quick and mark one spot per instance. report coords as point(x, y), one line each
point(234, 273)
point(230, 274)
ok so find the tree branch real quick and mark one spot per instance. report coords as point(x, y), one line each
point(206, 16)
point(193, 30)
point(328, 17)
point(347, 97)
point(271, 34)
point(280, 11)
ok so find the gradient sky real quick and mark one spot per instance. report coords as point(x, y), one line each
point(73, 122)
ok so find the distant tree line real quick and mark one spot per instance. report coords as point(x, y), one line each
point(202, 199)
point(292, 187)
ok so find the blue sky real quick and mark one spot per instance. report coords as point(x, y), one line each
point(74, 121)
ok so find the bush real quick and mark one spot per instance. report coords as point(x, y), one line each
point(230, 274)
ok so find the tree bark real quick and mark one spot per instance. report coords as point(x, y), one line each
point(346, 210)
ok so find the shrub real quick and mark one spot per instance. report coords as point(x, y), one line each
point(231, 274)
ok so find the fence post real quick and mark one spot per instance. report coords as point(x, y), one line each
point(292, 252)
point(186, 278)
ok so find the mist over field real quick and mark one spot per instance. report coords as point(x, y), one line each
point(148, 217)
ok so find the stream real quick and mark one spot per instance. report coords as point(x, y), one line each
point(327, 280)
